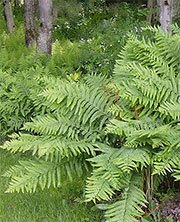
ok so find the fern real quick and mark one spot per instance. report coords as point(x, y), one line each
point(18, 95)
point(49, 146)
point(78, 99)
point(69, 132)
point(111, 171)
point(168, 159)
point(28, 175)
point(171, 108)
point(176, 174)
point(129, 207)
point(147, 75)
point(61, 125)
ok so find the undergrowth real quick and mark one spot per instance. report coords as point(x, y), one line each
point(123, 129)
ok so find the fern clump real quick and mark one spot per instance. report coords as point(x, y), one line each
point(66, 135)
point(126, 128)
point(19, 98)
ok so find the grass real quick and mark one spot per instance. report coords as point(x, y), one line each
point(53, 205)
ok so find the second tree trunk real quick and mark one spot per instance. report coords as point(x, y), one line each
point(165, 14)
point(8, 15)
point(30, 27)
point(44, 40)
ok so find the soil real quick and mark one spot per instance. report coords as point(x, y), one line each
point(171, 208)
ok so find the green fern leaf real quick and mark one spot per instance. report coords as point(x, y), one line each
point(129, 207)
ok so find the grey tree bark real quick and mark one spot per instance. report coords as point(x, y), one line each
point(44, 40)
point(165, 14)
point(30, 23)
point(8, 14)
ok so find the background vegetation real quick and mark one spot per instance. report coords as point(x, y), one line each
point(104, 107)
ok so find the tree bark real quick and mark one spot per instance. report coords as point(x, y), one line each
point(30, 25)
point(44, 40)
point(150, 6)
point(8, 14)
point(165, 14)
point(176, 9)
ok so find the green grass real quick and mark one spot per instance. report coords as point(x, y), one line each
point(53, 205)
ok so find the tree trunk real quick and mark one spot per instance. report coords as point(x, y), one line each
point(150, 6)
point(176, 9)
point(8, 16)
point(30, 26)
point(165, 14)
point(44, 40)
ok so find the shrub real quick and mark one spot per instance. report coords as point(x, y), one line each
point(99, 31)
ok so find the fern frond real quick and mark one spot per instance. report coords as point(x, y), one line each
point(103, 186)
point(171, 108)
point(25, 177)
point(105, 179)
point(147, 75)
point(96, 82)
point(125, 158)
point(129, 207)
point(176, 174)
point(128, 126)
point(141, 132)
point(111, 171)
point(29, 175)
point(78, 99)
point(167, 160)
point(157, 137)
point(49, 146)
point(61, 125)
point(121, 110)
point(17, 95)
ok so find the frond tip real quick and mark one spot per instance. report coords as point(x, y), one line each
point(28, 175)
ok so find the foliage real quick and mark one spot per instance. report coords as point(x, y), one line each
point(125, 127)
point(87, 38)
point(84, 20)
point(62, 204)
point(18, 97)
point(74, 138)
point(21, 66)
point(98, 31)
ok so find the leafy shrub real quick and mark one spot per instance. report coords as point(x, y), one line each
point(86, 20)
point(99, 31)
point(127, 128)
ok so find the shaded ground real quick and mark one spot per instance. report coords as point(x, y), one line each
point(171, 208)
